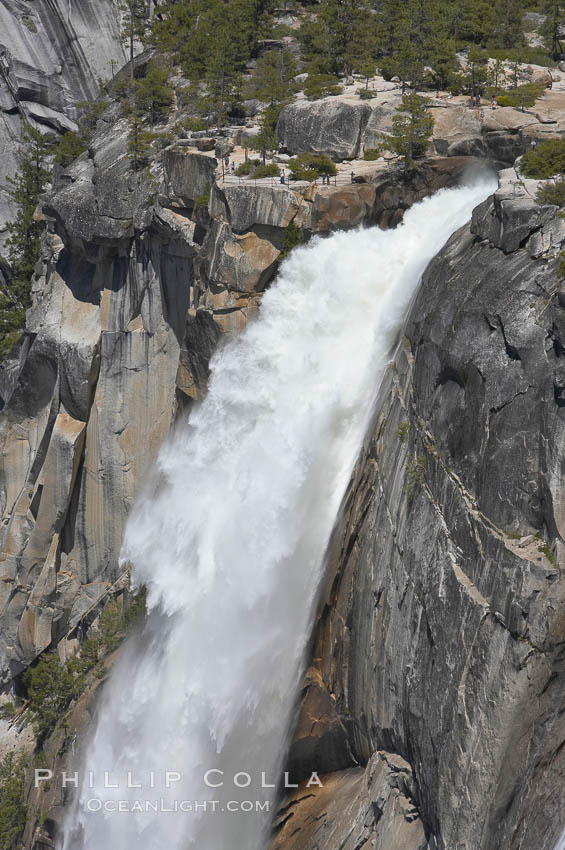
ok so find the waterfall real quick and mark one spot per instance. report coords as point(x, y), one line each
point(229, 537)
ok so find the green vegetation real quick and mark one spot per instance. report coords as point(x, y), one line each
point(244, 168)
point(552, 193)
point(25, 231)
point(69, 148)
point(412, 127)
point(522, 96)
point(192, 125)
point(309, 166)
point(545, 550)
point(371, 154)
point(554, 11)
point(90, 112)
point(202, 201)
point(143, 101)
point(52, 685)
point(403, 431)
point(415, 475)
point(212, 40)
point(293, 236)
point(139, 142)
point(136, 21)
point(273, 81)
point(417, 40)
point(13, 811)
point(545, 160)
point(7, 710)
point(153, 92)
point(321, 85)
point(270, 170)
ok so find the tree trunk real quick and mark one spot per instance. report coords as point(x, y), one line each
point(131, 38)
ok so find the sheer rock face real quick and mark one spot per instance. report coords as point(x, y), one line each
point(441, 631)
point(328, 127)
point(128, 306)
point(343, 131)
point(53, 54)
point(129, 302)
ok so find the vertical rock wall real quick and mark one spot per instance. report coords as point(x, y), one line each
point(53, 54)
point(441, 632)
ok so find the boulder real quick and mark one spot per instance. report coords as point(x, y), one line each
point(246, 206)
point(541, 75)
point(342, 208)
point(380, 121)
point(205, 144)
point(44, 115)
point(330, 127)
point(252, 107)
point(237, 263)
point(509, 218)
point(223, 148)
point(455, 125)
point(357, 808)
point(187, 175)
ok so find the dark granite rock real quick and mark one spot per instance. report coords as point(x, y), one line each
point(441, 629)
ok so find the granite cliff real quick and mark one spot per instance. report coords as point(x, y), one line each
point(53, 54)
point(138, 281)
point(439, 639)
point(435, 692)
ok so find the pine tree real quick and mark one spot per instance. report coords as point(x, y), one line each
point(153, 93)
point(554, 20)
point(474, 21)
point(139, 141)
point(349, 24)
point(207, 35)
point(13, 812)
point(412, 127)
point(273, 79)
point(477, 76)
point(25, 231)
point(266, 140)
point(509, 30)
point(136, 13)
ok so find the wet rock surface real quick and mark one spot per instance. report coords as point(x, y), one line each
point(440, 634)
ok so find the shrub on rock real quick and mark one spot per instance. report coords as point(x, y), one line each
point(545, 160)
point(309, 166)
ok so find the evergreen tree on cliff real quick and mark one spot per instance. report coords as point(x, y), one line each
point(351, 33)
point(412, 127)
point(136, 13)
point(24, 240)
point(197, 31)
point(554, 20)
point(25, 231)
point(509, 31)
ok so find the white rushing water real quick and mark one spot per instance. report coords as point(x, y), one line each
point(229, 538)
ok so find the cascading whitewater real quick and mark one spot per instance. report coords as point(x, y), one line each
point(229, 538)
